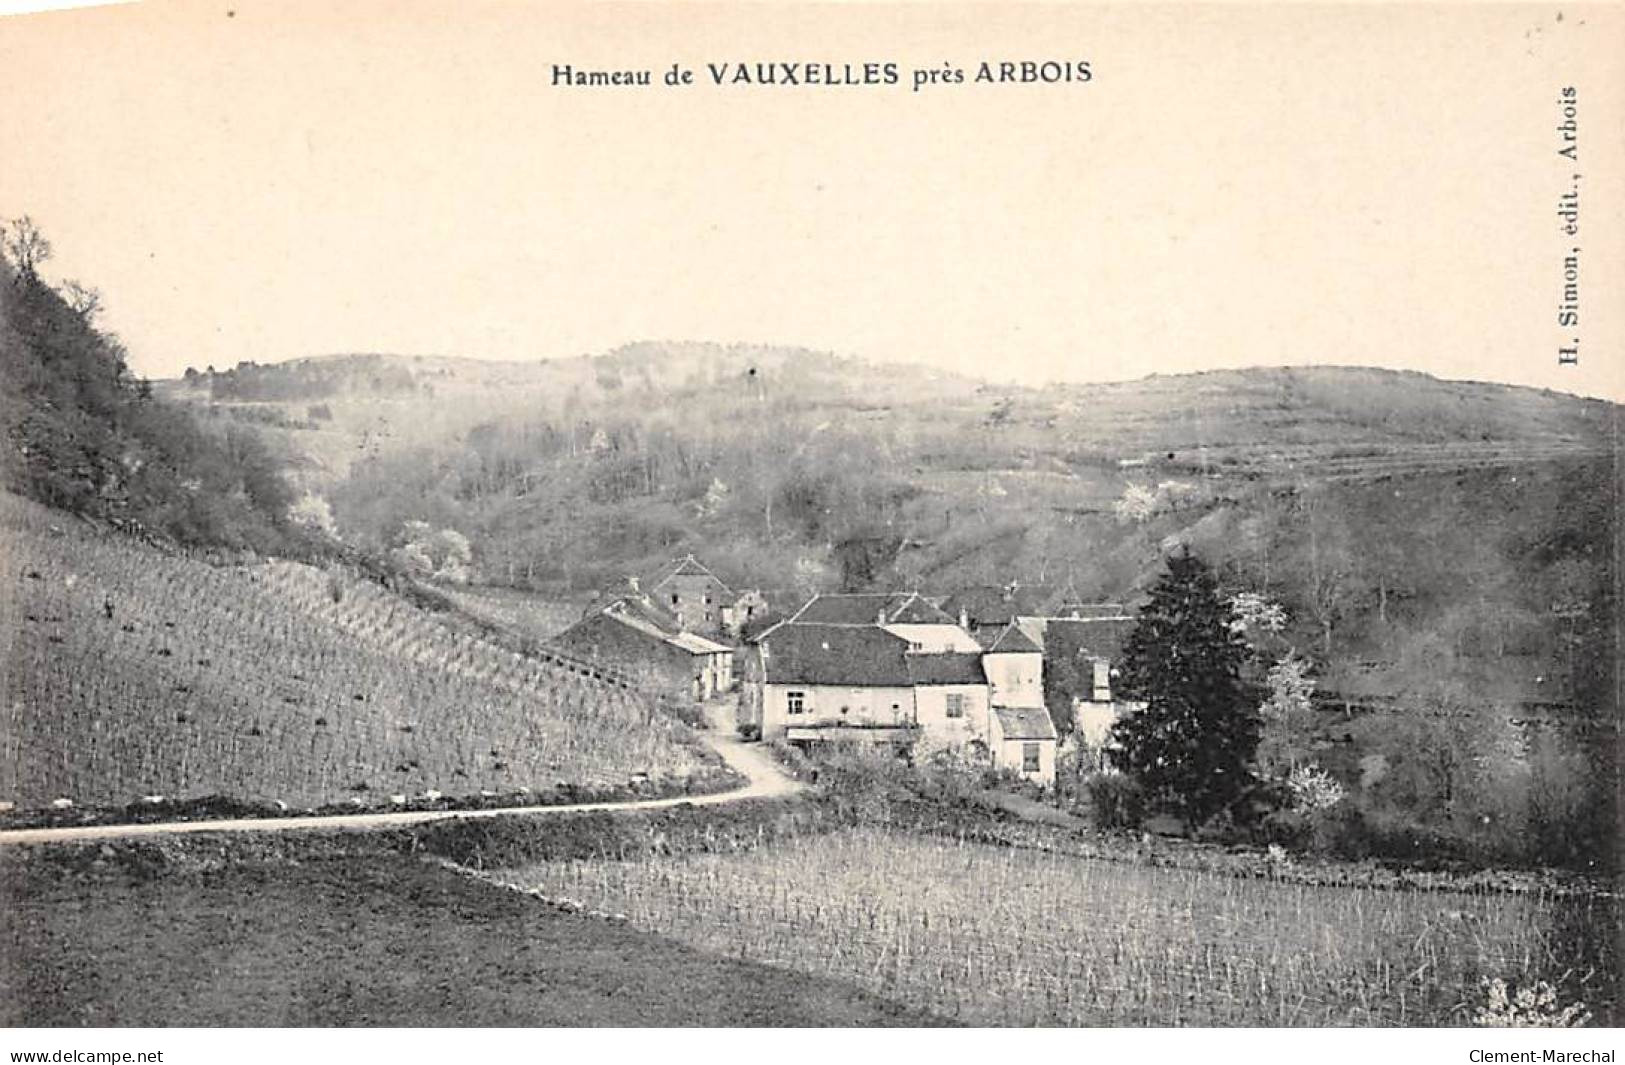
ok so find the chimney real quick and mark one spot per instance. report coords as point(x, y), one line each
point(880, 616)
point(632, 583)
point(964, 619)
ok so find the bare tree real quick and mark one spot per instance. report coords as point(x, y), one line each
point(85, 300)
point(1329, 567)
point(22, 242)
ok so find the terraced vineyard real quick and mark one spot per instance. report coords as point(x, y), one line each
point(131, 672)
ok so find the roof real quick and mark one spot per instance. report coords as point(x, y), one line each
point(918, 610)
point(640, 615)
point(1092, 611)
point(687, 566)
point(1033, 629)
point(1013, 641)
point(1025, 723)
point(695, 644)
point(937, 638)
point(866, 608)
point(859, 656)
point(946, 669)
point(1095, 637)
point(642, 609)
point(992, 604)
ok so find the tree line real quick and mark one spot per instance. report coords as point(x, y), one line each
point(87, 435)
point(1447, 775)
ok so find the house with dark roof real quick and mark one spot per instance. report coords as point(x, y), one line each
point(634, 633)
point(1083, 651)
point(1024, 738)
point(825, 683)
point(1014, 663)
point(1079, 643)
point(871, 608)
point(894, 668)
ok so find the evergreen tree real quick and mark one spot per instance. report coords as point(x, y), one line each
point(1192, 745)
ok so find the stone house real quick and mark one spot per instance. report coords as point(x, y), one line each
point(693, 594)
point(702, 602)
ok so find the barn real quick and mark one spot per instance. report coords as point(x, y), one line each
point(634, 634)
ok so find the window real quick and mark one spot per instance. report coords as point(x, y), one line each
point(674, 599)
point(956, 704)
point(1029, 757)
point(1103, 682)
point(795, 702)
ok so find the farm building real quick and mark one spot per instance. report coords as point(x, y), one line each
point(895, 669)
point(635, 634)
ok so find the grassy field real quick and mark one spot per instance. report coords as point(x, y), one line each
point(368, 942)
point(994, 936)
point(129, 672)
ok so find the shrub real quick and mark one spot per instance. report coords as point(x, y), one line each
point(952, 775)
point(1116, 801)
point(687, 712)
point(793, 760)
point(1532, 1007)
point(750, 731)
point(1314, 789)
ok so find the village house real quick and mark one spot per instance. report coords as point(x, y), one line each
point(1085, 647)
point(702, 602)
point(634, 633)
point(1024, 737)
point(1080, 642)
point(898, 670)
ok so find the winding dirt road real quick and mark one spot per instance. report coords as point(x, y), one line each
point(766, 780)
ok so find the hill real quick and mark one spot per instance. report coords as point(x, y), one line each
point(133, 671)
point(1378, 506)
point(1441, 549)
point(85, 435)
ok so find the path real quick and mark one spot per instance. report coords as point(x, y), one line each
point(765, 780)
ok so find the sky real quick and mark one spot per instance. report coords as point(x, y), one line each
point(1234, 186)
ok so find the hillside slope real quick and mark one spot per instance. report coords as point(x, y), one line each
point(130, 672)
point(82, 433)
point(1386, 511)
